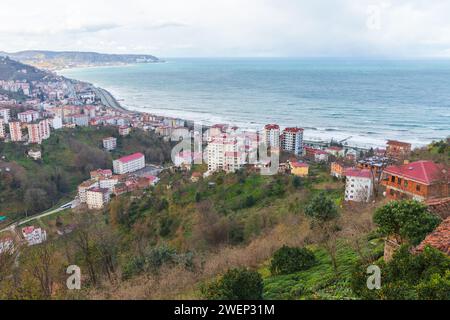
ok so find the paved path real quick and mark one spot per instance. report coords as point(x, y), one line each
point(71, 204)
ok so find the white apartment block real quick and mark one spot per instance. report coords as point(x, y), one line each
point(108, 183)
point(225, 154)
point(292, 141)
point(2, 129)
point(129, 163)
point(56, 123)
point(5, 114)
point(34, 235)
point(358, 186)
point(15, 131)
point(272, 136)
point(110, 143)
point(97, 198)
point(28, 116)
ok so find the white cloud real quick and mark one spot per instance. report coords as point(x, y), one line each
point(229, 27)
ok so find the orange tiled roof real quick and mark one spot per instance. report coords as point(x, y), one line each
point(440, 207)
point(439, 239)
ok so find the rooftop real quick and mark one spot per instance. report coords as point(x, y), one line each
point(439, 238)
point(426, 172)
point(353, 172)
point(398, 143)
point(131, 157)
point(299, 165)
point(293, 130)
point(272, 127)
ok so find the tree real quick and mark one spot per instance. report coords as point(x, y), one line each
point(290, 260)
point(324, 214)
point(408, 220)
point(408, 276)
point(236, 284)
point(321, 208)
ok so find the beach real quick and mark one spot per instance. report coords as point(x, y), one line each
point(362, 102)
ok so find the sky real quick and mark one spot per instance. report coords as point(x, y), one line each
point(230, 28)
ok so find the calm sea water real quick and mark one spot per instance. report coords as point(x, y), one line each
point(369, 101)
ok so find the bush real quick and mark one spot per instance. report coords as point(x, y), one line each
point(290, 260)
point(236, 284)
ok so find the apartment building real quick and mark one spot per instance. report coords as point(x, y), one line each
point(15, 131)
point(33, 235)
point(129, 163)
point(292, 140)
point(84, 187)
point(96, 198)
point(299, 169)
point(2, 129)
point(28, 116)
point(398, 150)
point(225, 153)
point(272, 136)
point(124, 130)
point(110, 143)
point(37, 132)
point(359, 187)
point(5, 114)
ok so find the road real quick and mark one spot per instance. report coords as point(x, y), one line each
point(109, 100)
point(71, 204)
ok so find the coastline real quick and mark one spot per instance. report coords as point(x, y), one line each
point(312, 133)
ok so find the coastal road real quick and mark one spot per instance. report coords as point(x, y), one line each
point(108, 99)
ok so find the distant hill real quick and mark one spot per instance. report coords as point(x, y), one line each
point(57, 60)
point(14, 70)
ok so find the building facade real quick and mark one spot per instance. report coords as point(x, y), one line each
point(359, 186)
point(97, 198)
point(272, 136)
point(421, 180)
point(129, 163)
point(15, 131)
point(110, 143)
point(292, 140)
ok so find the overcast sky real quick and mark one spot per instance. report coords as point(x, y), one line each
point(230, 28)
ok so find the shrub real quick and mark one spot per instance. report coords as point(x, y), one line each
point(290, 260)
point(236, 284)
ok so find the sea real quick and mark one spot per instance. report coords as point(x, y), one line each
point(359, 101)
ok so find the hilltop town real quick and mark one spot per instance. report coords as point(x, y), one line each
point(277, 170)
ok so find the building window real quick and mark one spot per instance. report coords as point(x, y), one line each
point(418, 188)
point(405, 184)
point(399, 181)
point(392, 179)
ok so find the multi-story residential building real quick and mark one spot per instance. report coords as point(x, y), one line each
point(129, 163)
point(316, 155)
point(56, 123)
point(292, 140)
point(15, 131)
point(124, 130)
point(225, 153)
point(35, 154)
point(108, 183)
point(398, 150)
point(421, 180)
point(359, 186)
point(2, 129)
point(37, 132)
point(101, 173)
point(33, 235)
point(110, 143)
point(96, 198)
point(337, 152)
point(80, 120)
point(28, 116)
point(84, 187)
point(299, 169)
point(338, 169)
point(5, 115)
point(272, 136)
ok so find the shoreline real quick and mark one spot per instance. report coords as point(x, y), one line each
point(339, 135)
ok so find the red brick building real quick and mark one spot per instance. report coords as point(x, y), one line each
point(398, 150)
point(421, 180)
